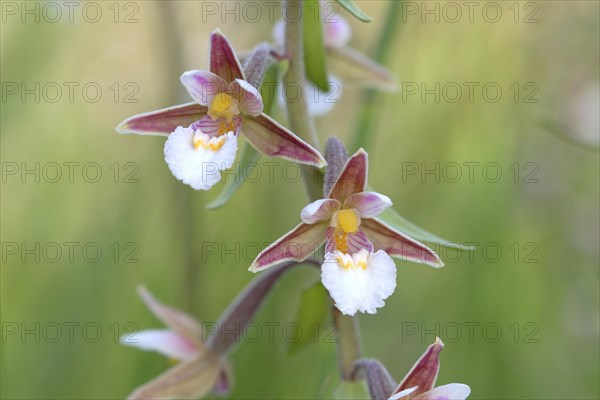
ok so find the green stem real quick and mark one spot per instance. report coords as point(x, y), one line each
point(301, 123)
point(299, 119)
point(370, 110)
point(348, 343)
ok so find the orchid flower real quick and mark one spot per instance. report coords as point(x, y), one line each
point(419, 383)
point(202, 366)
point(202, 136)
point(199, 369)
point(358, 271)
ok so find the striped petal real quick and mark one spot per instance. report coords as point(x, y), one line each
point(222, 58)
point(397, 244)
point(162, 122)
point(354, 242)
point(250, 100)
point(368, 204)
point(178, 321)
point(203, 86)
point(296, 245)
point(424, 373)
point(272, 139)
point(163, 341)
point(319, 210)
point(190, 379)
point(353, 178)
point(211, 127)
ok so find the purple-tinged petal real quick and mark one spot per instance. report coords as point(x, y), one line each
point(353, 178)
point(163, 341)
point(250, 100)
point(272, 139)
point(296, 245)
point(319, 210)
point(368, 204)
point(397, 244)
point(451, 391)
point(337, 31)
point(176, 320)
point(214, 127)
point(190, 379)
point(349, 243)
point(162, 122)
point(223, 60)
point(224, 381)
point(424, 373)
point(203, 86)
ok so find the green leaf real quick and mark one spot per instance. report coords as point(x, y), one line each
point(394, 219)
point(312, 314)
point(355, 10)
point(248, 155)
point(352, 390)
point(314, 48)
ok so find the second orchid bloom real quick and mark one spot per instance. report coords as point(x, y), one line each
point(202, 136)
point(357, 270)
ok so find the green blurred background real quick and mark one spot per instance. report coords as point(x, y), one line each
point(544, 297)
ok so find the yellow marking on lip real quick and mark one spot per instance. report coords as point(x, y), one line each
point(211, 144)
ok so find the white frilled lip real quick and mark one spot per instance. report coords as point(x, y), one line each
point(362, 284)
point(163, 341)
point(199, 167)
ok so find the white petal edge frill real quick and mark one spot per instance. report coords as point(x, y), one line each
point(354, 287)
point(198, 166)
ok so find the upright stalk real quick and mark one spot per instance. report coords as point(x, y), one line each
point(299, 119)
point(301, 123)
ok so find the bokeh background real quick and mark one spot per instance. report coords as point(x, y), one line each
point(542, 291)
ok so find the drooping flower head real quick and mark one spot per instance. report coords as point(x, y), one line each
point(418, 384)
point(358, 270)
point(199, 369)
point(202, 136)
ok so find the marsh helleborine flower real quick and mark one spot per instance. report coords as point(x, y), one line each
point(358, 271)
point(199, 369)
point(419, 383)
point(202, 136)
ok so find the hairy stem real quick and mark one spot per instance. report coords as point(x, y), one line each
point(300, 121)
point(302, 124)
